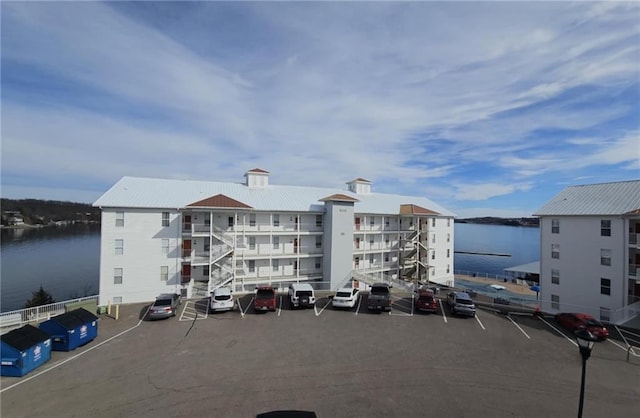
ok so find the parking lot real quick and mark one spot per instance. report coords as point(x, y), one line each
point(340, 363)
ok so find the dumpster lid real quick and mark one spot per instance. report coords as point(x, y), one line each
point(84, 315)
point(67, 320)
point(25, 337)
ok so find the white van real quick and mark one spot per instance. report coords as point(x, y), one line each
point(301, 295)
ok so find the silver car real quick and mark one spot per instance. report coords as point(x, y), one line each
point(166, 305)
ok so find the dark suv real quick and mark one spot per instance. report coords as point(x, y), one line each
point(461, 303)
point(265, 299)
point(166, 305)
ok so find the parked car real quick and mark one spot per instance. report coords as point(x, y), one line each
point(577, 321)
point(301, 295)
point(166, 305)
point(265, 299)
point(460, 303)
point(347, 297)
point(221, 299)
point(379, 297)
point(426, 300)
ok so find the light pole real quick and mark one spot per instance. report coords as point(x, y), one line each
point(585, 343)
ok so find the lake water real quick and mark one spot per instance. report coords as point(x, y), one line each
point(66, 260)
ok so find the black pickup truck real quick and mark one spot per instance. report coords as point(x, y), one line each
point(379, 297)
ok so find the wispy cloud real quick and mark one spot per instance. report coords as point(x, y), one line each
point(319, 93)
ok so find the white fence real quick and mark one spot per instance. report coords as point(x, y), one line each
point(15, 319)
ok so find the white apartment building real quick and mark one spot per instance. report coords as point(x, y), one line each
point(189, 237)
point(590, 251)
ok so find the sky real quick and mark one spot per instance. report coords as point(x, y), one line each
point(487, 108)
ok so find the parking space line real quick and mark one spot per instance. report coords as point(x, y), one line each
point(323, 308)
point(558, 331)
point(280, 308)
point(479, 322)
point(192, 312)
point(358, 306)
point(515, 323)
point(444, 316)
point(629, 346)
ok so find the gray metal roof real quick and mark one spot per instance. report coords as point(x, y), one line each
point(137, 192)
point(532, 268)
point(595, 199)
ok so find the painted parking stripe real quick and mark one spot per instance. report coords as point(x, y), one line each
point(323, 308)
point(516, 324)
point(359, 302)
point(189, 313)
point(280, 308)
point(479, 322)
point(243, 312)
point(558, 331)
point(444, 316)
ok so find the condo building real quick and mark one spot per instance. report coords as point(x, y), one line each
point(190, 237)
point(590, 251)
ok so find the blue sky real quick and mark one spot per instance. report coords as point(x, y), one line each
point(486, 108)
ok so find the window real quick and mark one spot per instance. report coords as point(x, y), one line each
point(433, 222)
point(448, 237)
point(205, 271)
point(372, 221)
point(274, 265)
point(119, 218)
point(555, 250)
point(433, 255)
point(555, 302)
point(276, 219)
point(605, 314)
point(555, 226)
point(433, 238)
point(117, 299)
point(252, 266)
point(117, 275)
point(318, 242)
point(318, 263)
point(605, 257)
point(165, 246)
point(230, 222)
point(319, 221)
point(386, 257)
point(252, 243)
point(276, 243)
point(448, 253)
point(165, 218)
point(164, 273)
point(555, 276)
point(605, 228)
point(119, 247)
point(252, 219)
point(605, 286)
point(448, 268)
point(371, 243)
point(448, 225)
point(386, 222)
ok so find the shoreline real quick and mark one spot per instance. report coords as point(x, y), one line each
point(521, 289)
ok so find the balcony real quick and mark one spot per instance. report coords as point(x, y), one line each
point(634, 239)
point(634, 271)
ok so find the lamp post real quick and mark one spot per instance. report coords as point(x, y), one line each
point(585, 343)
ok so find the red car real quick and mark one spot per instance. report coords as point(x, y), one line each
point(426, 301)
point(265, 299)
point(577, 321)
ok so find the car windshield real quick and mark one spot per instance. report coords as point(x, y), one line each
point(592, 323)
point(465, 301)
point(265, 294)
point(426, 298)
point(303, 293)
point(162, 302)
point(222, 297)
point(343, 294)
point(380, 289)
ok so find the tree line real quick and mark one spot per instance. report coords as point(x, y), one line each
point(44, 212)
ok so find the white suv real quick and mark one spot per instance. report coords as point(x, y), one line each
point(222, 299)
point(301, 295)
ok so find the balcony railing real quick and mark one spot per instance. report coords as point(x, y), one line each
point(634, 270)
point(634, 239)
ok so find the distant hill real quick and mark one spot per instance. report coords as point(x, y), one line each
point(489, 220)
point(44, 212)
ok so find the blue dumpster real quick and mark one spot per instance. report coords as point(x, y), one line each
point(23, 350)
point(71, 330)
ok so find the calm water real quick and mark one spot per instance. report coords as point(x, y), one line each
point(66, 260)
